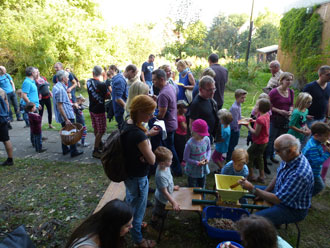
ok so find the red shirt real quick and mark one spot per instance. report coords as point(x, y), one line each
point(263, 136)
point(180, 130)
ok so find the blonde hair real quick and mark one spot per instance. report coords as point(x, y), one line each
point(240, 155)
point(209, 72)
point(225, 116)
point(302, 100)
point(137, 88)
point(183, 63)
point(239, 93)
point(141, 104)
point(284, 75)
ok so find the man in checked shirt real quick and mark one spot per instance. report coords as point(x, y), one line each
point(291, 189)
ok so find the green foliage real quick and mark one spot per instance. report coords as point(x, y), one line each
point(301, 36)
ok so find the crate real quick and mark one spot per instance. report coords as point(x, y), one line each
point(222, 212)
point(223, 183)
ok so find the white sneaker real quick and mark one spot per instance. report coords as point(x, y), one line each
point(85, 144)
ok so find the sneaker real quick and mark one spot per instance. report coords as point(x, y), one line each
point(44, 138)
point(79, 143)
point(9, 126)
point(26, 126)
point(86, 144)
point(20, 119)
point(97, 154)
point(7, 163)
point(77, 153)
point(42, 150)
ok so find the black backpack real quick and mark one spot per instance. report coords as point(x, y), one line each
point(112, 159)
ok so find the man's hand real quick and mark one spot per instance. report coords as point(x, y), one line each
point(176, 206)
point(153, 131)
point(39, 107)
point(68, 122)
point(246, 184)
point(68, 90)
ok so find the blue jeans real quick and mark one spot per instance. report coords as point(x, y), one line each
point(197, 182)
point(280, 214)
point(273, 134)
point(234, 137)
point(149, 83)
point(12, 99)
point(318, 185)
point(136, 197)
point(66, 149)
point(169, 143)
point(37, 141)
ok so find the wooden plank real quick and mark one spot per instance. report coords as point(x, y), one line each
point(184, 198)
point(114, 190)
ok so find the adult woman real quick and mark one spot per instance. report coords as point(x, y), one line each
point(281, 99)
point(170, 81)
point(137, 88)
point(44, 97)
point(105, 228)
point(186, 78)
point(139, 156)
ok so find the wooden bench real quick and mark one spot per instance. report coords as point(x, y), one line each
point(114, 191)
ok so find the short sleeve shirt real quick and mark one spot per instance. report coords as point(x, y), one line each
point(147, 69)
point(279, 101)
point(5, 83)
point(235, 111)
point(180, 130)
point(298, 119)
point(30, 88)
point(167, 99)
point(222, 147)
point(163, 179)
point(60, 95)
point(320, 99)
point(263, 136)
point(229, 169)
point(97, 96)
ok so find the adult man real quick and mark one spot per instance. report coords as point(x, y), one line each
point(221, 78)
point(97, 92)
point(320, 91)
point(203, 106)
point(131, 74)
point(7, 84)
point(291, 189)
point(119, 96)
point(167, 111)
point(275, 69)
point(4, 136)
point(63, 108)
point(147, 69)
point(72, 83)
point(29, 87)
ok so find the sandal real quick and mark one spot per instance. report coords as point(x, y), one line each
point(145, 243)
point(252, 179)
point(261, 180)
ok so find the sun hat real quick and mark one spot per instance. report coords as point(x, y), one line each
point(200, 127)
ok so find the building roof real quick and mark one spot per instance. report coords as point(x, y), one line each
point(268, 49)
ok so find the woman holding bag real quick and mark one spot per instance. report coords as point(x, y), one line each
point(281, 99)
point(186, 80)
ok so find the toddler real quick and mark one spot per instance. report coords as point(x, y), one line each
point(164, 184)
point(221, 146)
point(297, 124)
point(22, 108)
point(235, 110)
point(237, 166)
point(197, 154)
point(78, 110)
point(35, 127)
point(314, 153)
point(180, 136)
point(260, 138)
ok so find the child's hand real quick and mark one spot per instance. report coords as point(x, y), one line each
point(153, 131)
point(176, 187)
point(176, 206)
point(307, 132)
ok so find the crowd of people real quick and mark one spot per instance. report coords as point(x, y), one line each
point(193, 117)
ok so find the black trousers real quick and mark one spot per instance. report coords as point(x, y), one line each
point(48, 104)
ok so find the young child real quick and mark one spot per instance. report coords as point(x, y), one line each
point(297, 124)
point(180, 136)
point(197, 154)
point(313, 151)
point(235, 110)
point(22, 108)
point(164, 184)
point(237, 166)
point(35, 127)
point(221, 147)
point(78, 110)
point(260, 138)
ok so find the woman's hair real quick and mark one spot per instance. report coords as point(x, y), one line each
point(137, 88)
point(209, 72)
point(141, 104)
point(264, 105)
point(257, 232)
point(239, 155)
point(302, 100)
point(106, 224)
point(114, 68)
point(162, 154)
point(284, 75)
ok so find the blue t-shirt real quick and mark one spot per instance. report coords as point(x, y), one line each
point(229, 169)
point(147, 69)
point(320, 99)
point(119, 91)
point(222, 147)
point(30, 88)
point(5, 83)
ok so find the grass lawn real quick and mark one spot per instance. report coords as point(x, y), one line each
point(51, 198)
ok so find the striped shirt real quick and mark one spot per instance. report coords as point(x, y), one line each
point(313, 151)
point(294, 183)
point(60, 95)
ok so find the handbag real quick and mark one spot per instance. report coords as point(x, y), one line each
point(189, 95)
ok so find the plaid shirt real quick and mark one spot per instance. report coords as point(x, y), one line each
point(60, 95)
point(313, 151)
point(294, 183)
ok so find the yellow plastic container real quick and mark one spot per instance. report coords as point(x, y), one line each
point(223, 183)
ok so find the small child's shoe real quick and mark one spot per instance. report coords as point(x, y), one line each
point(42, 150)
